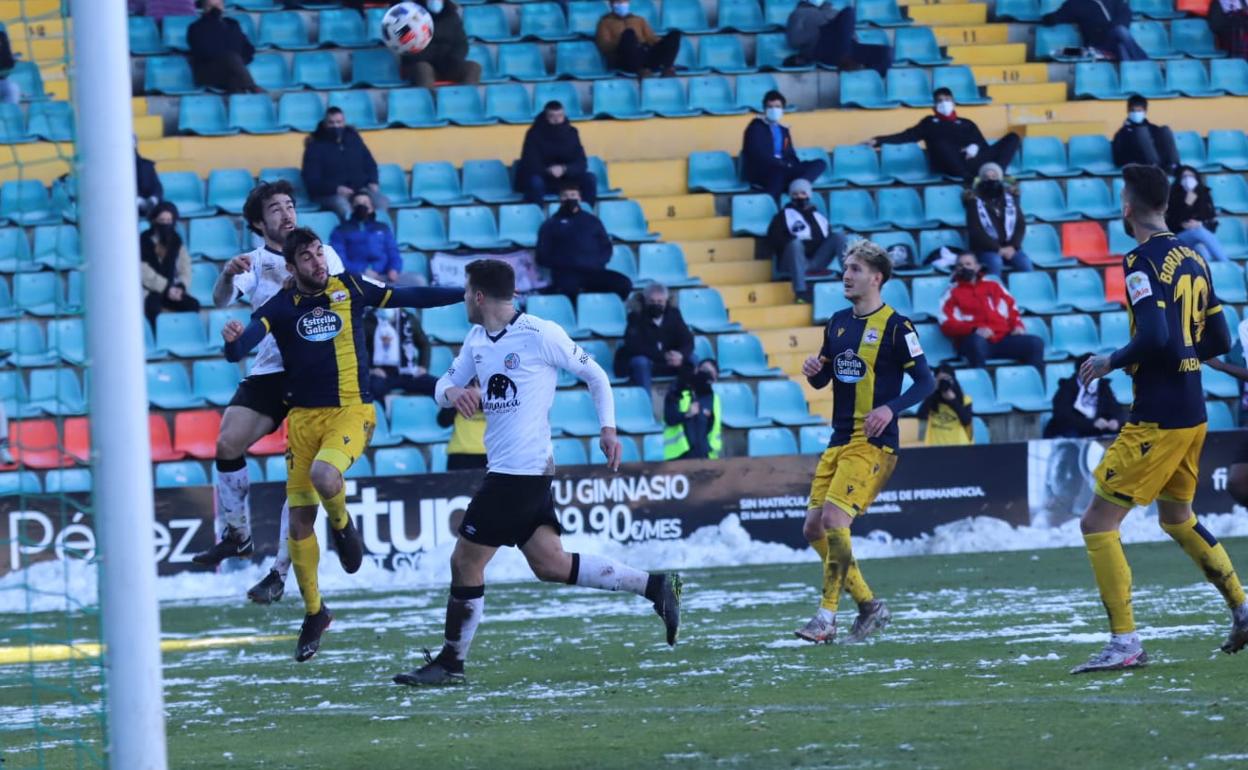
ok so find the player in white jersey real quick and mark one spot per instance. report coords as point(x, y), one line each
point(517, 358)
point(259, 405)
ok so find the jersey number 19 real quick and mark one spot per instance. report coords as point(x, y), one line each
point(1191, 293)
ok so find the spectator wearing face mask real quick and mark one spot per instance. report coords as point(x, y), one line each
point(657, 342)
point(1084, 411)
point(337, 163)
point(955, 146)
point(768, 158)
point(220, 52)
point(1103, 24)
point(446, 56)
point(466, 449)
point(995, 222)
point(398, 352)
point(575, 247)
point(552, 157)
point(692, 428)
point(628, 43)
point(821, 32)
point(166, 265)
point(801, 240)
point(1192, 217)
point(947, 413)
point(980, 318)
point(1139, 141)
point(367, 246)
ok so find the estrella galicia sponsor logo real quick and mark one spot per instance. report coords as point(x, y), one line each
point(319, 325)
point(848, 367)
point(501, 394)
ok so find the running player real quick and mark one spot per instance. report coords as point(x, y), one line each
point(518, 357)
point(1176, 323)
point(257, 408)
point(317, 327)
point(866, 348)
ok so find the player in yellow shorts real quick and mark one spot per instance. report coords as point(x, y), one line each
point(1176, 323)
point(866, 349)
point(317, 326)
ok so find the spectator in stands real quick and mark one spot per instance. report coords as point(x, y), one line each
point(166, 265)
point(657, 341)
point(575, 247)
point(767, 156)
point(983, 322)
point(691, 415)
point(446, 56)
point(150, 190)
point(1103, 24)
point(10, 91)
point(1192, 217)
point(824, 33)
point(367, 246)
point(466, 449)
point(1228, 21)
point(159, 9)
point(995, 222)
point(1084, 410)
point(399, 353)
point(1139, 141)
point(955, 146)
point(220, 52)
point(628, 43)
point(947, 413)
point(553, 155)
point(801, 240)
point(337, 163)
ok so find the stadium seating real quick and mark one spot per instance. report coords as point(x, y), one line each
point(739, 407)
point(769, 442)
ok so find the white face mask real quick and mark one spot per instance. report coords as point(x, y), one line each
point(1136, 116)
point(1188, 182)
point(944, 107)
point(435, 7)
point(774, 114)
point(620, 9)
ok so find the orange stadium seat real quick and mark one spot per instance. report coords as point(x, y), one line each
point(36, 444)
point(161, 440)
point(195, 432)
point(1194, 7)
point(78, 439)
point(272, 444)
point(1086, 242)
point(1115, 285)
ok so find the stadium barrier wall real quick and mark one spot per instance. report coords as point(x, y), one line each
point(1039, 483)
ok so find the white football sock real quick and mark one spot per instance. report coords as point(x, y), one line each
point(232, 493)
point(282, 562)
point(609, 575)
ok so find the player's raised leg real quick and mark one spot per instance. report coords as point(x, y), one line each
point(240, 428)
point(1211, 557)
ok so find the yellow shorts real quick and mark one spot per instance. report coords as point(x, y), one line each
point(850, 476)
point(337, 435)
point(1147, 463)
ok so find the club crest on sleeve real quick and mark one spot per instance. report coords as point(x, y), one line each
point(1138, 287)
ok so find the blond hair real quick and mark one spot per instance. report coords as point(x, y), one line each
point(873, 256)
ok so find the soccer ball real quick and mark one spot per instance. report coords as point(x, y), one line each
point(406, 28)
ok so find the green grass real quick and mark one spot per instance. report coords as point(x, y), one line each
point(972, 674)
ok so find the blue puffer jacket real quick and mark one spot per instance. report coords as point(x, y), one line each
point(366, 245)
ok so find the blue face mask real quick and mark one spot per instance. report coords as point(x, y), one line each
point(1136, 116)
point(435, 7)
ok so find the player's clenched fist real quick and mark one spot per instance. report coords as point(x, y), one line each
point(232, 331)
point(465, 400)
point(238, 265)
point(812, 366)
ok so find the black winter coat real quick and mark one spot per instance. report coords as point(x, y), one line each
point(547, 145)
point(328, 163)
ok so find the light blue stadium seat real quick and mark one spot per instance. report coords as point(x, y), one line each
point(1037, 326)
point(182, 334)
point(1193, 38)
point(173, 31)
point(144, 36)
point(489, 23)
point(943, 203)
point(415, 418)
point(1091, 154)
point(624, 261)
point(1230, 192)
point(1234, 238)
point(484, 56)
point(978, 385)
point(777, 12)
point(204, 114)
point(1075, 334)
point(275, 468)
point(770, 52)
point(377, 68)
point(1097, 80)
point(1052, 42)
point(382, 435)
point(66, 481)
point(625, 221)
point(929, 292)
point(829, 298)
point(422, 229)
point(57, 392)
point(7, 308)
point(1115, 330)
point(961, 81)
point(1090, 198)
point(1156, 9)
point(342, 28)
point(1082, 287)
point(1053, 375)
point(203, 278)
point(437, 183)
point(685, 15)
point(317, 70)
point(66, 338)
point(357, 106)
point(462, 106)
point(168, 387)
point(58, 247)
point(285, 29)
point(271, 72)
point(881, 13)
point(1034, 293)
point(1191, 147)
point(569, 451)
point(901, 206)
point(579, 60)
point(583, 16)
point(865, 89)
point(1145, 78)
point(393, 183)
point(1019, 10)
point(25, 202)
point(1219, 416)
point(557, 308)
point(215, 381)
point(664, 96)
point(664, 263)
point(783, 402)
point(1191, 78)
point(1228, 149)
point(855, 210)
point(634, 412)
point(1046, 155)
point(169, 75)
point(295, 178)
point(918, 46)
point(1228, 281)
point(909, 85)
point(488, 182)
point(1021, 388)
point(399, 461)
point(1152, 37)
point(770, 442)
point(930, 241)
point(740, 409)
point(544, 21)
point(704, 311)
point(723, 54)
point(703, 348)
point(1229, 75)
point(522, 61)
point(413, 108)
point(13, 125)
point(228, 189)
point(714, 95)
point(39, 294)
point(573, 413)
point(1043, 199)
point(752, 214)
point(26, 76)
point(300, 111)
point(742, 16)
point(602, 314)
point(183, 473)
point(936, 346)
point(25, 341)
point(475, 227)
point(19, 483)
point(519, 223)
point(508, 103)
point(714, 172)
point(858, 165)
point(618, 99)
point(813, 439)
point(1219, 384)
point(743, 355)
point(752, 89)
point(362, 468)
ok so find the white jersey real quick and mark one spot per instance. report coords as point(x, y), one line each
point(518, 369)
point(265, 278)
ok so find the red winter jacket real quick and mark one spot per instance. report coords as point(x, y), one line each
point(968, 305)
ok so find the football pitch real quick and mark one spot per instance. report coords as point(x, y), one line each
point(972, 674)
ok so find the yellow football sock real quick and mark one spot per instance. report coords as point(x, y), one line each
point(856, 586)
point(306, 556)
point(1210, 556)
point(336, 507)
point(835, 565)
point(1113, 577)
point(821, 547)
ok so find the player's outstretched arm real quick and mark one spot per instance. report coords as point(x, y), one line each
point(423, 296)
point(240, 341)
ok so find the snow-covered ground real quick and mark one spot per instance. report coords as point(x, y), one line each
point(54, 585)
